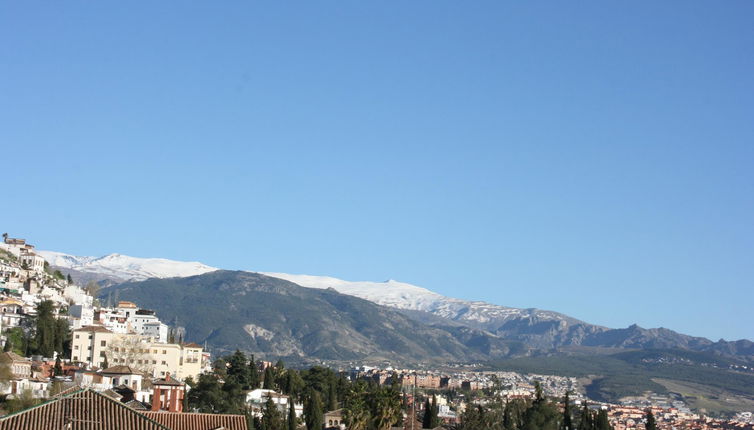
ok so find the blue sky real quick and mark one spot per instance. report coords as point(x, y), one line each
point(594, 159)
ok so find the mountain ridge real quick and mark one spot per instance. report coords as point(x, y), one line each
point(540, 329)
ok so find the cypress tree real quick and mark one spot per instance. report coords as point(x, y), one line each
point(58, 369)
point(292, 420)
point(435, 418)
point(332, 396)
point(651, 423)
point(427, 420)
point(567, 425)
point(313, 411)
point(602, 421)
point(269, 379)
point(253, 374)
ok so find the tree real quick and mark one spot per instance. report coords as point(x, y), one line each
point(603, 423)
point(58, 369)
point(292, 419)
point(427, 420)
point(127, 349)
point(332, 396)
point(586, 421)
point(651, 423)
point(272, 419)
point(566, 423)
point(22, 401)
point(313, 411)
point(356, 412)
point(45, 329)
point(253, 374)
point(542, 415)
point(238, 370)
point(207, 395)
point(385, 407)
point(269, 379)
point(70, 279)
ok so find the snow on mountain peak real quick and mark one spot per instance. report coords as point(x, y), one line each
point(124, 267)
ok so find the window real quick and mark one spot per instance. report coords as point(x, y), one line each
point(164, 363)
point(76, 337)
point(75, 347)
point(103, 343)
point(164, 351)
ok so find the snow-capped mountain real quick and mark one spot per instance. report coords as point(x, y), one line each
point(411, 297)
point(124, 268)
point(116, 268)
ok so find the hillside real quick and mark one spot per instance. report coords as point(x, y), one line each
point(536, 329)
point(277, 318)
point(704, 380)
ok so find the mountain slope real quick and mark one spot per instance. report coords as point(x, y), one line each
point(537, 329)
point(277, 318)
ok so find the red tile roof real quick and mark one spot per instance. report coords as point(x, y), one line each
point(191, 421)
point(85, 409)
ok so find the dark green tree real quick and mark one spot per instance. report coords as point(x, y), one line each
point(542, 414)
point(253, 374)
point(58, 369)
point(427, 419)
point(603, 423)
point(313, 411)
point(238, 370)
point(566, 423)
point(586, 419)
point(272, 419)
point(269, 379)
point(651, 423)
point(292, 422)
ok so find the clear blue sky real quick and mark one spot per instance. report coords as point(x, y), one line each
point(594, 158)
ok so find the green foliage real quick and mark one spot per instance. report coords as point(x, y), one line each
point(356, 411)
point(385, 405)
point(50, 334)
point(272, 419)
point(292, 421)
point(22, 401)
point(210, 396)
point(269, 379)
point(313, 415)
point(651, 422)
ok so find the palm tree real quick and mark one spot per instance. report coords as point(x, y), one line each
point(386, 408)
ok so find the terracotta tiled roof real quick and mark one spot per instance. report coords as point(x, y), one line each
point(191, 421)
point(83, 410)
point(191, 345)
point(93, 328)
point(121, 370)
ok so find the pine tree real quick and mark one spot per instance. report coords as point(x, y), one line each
point(651, 423)
point(272, 419)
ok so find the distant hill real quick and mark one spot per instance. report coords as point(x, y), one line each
point(536, 329)
point(277, 318)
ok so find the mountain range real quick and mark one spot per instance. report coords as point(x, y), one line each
point(537, 330)
point(309, 319)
